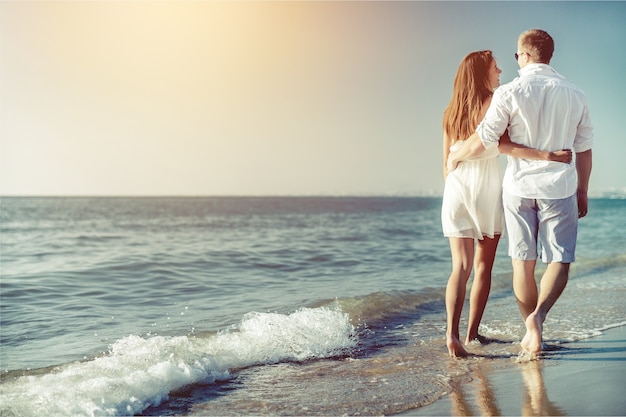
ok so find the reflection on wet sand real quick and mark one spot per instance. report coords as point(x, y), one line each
point(485, 397)
point(536, 401)
point(535, 398)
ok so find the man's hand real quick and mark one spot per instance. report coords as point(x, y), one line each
point(564, 155)
point(583, 204)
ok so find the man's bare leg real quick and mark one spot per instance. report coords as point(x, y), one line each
point(524, 286)
point(552, 285)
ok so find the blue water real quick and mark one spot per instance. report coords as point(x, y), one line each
point(112, 306)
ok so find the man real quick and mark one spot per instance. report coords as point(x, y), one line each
point(542, 200)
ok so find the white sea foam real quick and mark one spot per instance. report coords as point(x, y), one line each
point(138, 373)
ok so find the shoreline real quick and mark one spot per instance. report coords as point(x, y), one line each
point(582, 378)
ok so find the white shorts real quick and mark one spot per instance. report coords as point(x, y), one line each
point(541, 224)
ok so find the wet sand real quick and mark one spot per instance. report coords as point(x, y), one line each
point(584, 378)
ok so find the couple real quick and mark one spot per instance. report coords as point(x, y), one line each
point(535, 120)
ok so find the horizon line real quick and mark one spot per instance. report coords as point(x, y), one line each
point(407, 195)
point(612, 194)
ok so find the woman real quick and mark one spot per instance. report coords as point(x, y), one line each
point(472, 200)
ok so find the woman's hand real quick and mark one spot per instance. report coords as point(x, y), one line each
point(452, 163)
point(564, 155)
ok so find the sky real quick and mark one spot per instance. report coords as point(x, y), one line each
point(271, 98)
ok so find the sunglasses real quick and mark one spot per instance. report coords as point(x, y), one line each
point(520, 54)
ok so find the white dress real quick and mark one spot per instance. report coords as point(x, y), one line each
point(472, 197)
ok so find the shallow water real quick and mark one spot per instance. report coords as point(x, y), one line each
point(114, 306)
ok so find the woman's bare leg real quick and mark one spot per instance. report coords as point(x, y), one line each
point(462, 250)
point(483, 265)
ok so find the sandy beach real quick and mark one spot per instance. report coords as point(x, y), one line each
point(585, 378)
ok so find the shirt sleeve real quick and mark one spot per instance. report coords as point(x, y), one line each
point(495, 122)
point(584, 133)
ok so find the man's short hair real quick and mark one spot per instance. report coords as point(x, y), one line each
point(539, 44)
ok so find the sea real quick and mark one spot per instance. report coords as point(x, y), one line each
point(220, 306)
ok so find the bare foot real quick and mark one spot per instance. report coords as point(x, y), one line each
point(524, 341)
point(455, 348)
point(480, 339)
point(532, 341)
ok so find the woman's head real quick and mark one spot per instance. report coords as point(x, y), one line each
point(479, 71)
point(476, 78)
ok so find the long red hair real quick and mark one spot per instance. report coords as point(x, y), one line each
point(471, 88)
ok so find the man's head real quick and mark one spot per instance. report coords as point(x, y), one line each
point(534, 46)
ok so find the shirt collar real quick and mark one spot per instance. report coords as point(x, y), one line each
point(536, 68)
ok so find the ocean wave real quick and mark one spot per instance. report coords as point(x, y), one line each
point(138, 373)
point(383, 307)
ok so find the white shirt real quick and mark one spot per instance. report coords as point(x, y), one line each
point(542, 110)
